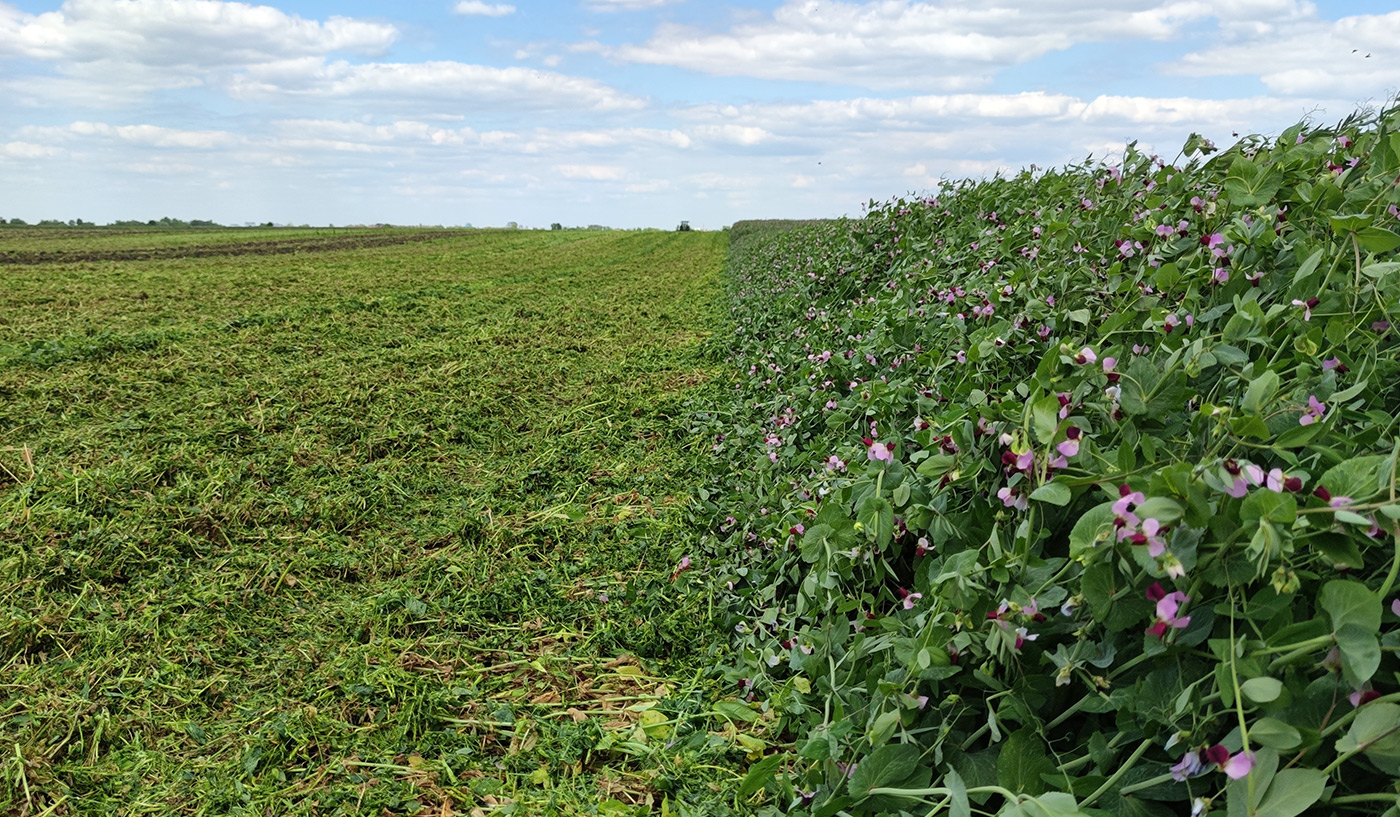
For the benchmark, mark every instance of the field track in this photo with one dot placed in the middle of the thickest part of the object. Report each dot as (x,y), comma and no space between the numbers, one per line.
(307,244)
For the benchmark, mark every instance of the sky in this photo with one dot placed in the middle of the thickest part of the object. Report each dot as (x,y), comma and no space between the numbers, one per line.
(632,113)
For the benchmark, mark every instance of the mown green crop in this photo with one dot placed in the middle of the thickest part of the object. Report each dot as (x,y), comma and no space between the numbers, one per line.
(372,528)
(1075,492)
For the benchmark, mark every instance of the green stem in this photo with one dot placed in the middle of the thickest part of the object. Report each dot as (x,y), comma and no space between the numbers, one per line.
(1364,798)
(1122,770)
(1147,784)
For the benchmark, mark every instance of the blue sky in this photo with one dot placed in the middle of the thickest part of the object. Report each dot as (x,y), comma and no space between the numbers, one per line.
(631,113)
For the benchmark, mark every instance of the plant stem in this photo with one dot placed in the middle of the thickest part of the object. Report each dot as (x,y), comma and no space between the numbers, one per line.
(1122,770)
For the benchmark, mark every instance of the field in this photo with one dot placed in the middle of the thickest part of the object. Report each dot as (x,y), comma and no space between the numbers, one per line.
(352,523)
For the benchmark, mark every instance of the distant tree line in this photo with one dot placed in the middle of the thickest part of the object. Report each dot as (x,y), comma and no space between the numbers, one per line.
(166,222)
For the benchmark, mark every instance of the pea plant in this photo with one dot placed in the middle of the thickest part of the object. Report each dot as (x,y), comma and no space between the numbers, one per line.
(1074,491)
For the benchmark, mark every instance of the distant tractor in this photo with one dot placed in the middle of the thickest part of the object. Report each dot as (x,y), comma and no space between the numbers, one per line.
(684,228)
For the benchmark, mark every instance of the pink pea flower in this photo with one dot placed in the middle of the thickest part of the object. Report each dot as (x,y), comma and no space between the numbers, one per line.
(1364,695)
(835,463)
(1221,275)
(1109,363)
(1307,307)
(1395,607)
(1238,488)
(1012,498)
(1170,322)
(1234,766)
(910,599)
(1070,447)
(1212,241)
(1314,411)
(1331,363)
(1022,636)
(1168,605)
(1127,499)
(883,452)
(1086,355)
(1150,535)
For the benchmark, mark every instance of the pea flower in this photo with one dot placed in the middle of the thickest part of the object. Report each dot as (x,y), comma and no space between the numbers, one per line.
(1086,355)
(1234,766)
(1109,363)
(1070,447)
(1012,498)
(1314,411)
(1168,605)
(1307,307)
(878,451)
(1170,322)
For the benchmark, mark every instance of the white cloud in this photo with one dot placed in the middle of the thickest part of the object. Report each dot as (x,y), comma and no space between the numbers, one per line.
(142,135)
(181,33)
(1353,58)
(27,150)
(953,45)
(431,83)
(483,9)
(596,173)
(626,5)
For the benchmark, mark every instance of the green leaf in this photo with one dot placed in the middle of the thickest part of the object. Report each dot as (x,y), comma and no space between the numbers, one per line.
(1045,418)
(1093,529)
(877,515)
(1275,734)
(1023,759)
(1308,266)
(813,542)
(735,711)
(1361,653)
(1358,478)
(1161,508)
(1249,185)
(1376,731)
(1350,223)
(1269,505)
(1055,493)
(936,466)
(1377,239)
(958,805)
(1351,518)
(1261,390)
(1292,792)
(1262,690)
(885,766)
(760,774)
(1349,602)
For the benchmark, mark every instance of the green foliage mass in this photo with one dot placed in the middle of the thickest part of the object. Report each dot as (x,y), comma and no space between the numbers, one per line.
(1041,487)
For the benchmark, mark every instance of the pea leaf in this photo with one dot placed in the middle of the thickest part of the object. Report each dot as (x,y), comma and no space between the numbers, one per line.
(886,766)
(1349,602)
(1055,493)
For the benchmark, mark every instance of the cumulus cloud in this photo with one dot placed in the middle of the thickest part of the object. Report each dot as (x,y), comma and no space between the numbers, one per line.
(27,150)
(596,173)
(171,33)
(435,82)
(953,45)
(1353,57)
(476,7)
(626,5)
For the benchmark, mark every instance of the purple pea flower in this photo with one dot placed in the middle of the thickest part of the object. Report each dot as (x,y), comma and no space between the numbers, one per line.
(1314,411)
